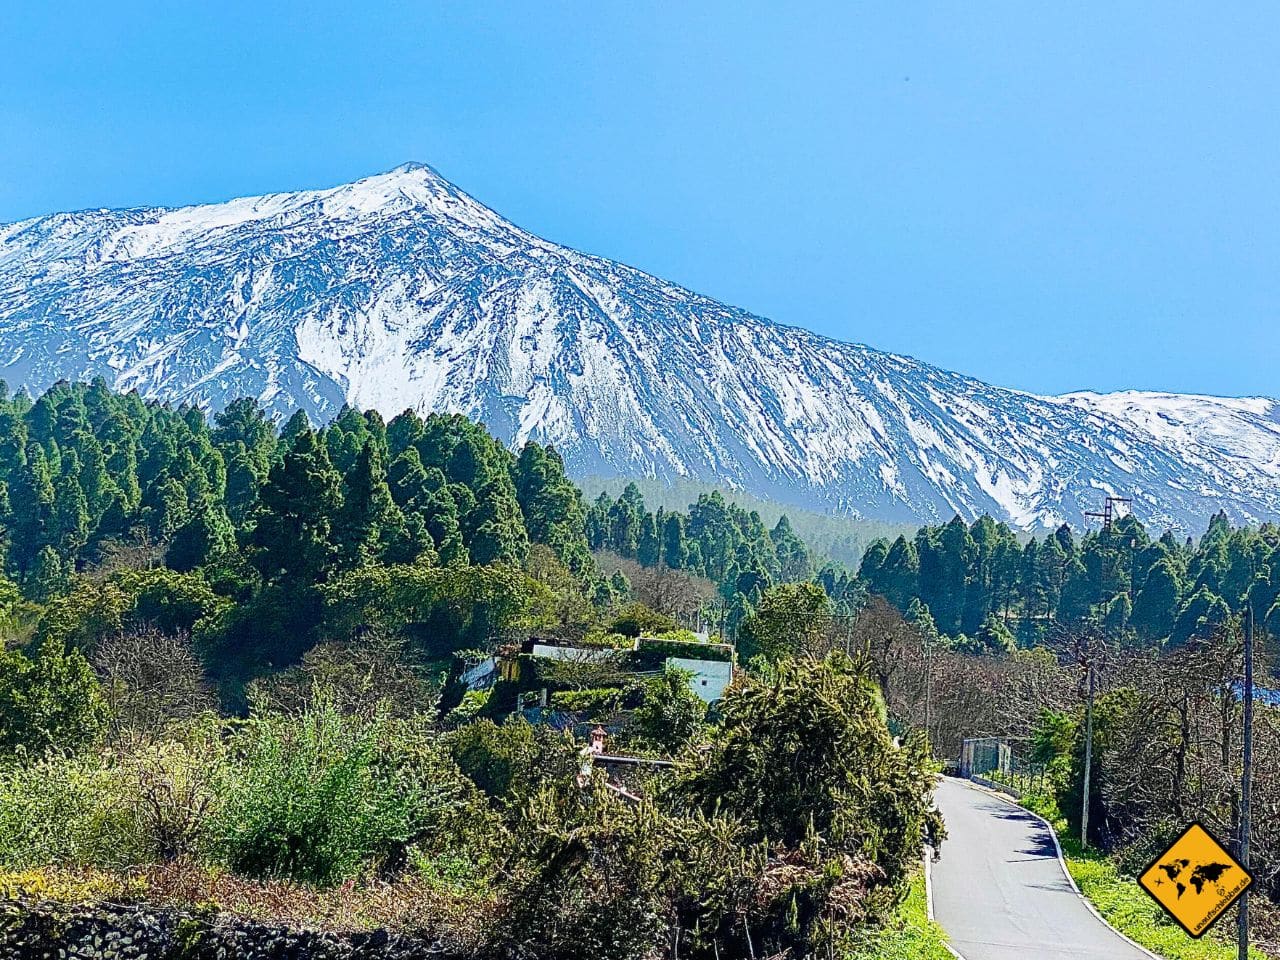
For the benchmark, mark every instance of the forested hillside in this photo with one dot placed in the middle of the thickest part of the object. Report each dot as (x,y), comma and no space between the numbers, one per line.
(252,540)
(987,590)
(231,652)
(257,542)
(221,689)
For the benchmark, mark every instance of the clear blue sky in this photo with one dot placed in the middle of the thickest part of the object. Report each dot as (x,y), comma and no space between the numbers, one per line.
(1048,196)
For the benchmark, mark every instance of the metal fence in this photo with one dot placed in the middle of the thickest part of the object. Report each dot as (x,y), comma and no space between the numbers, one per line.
(982,756)
(1004,762)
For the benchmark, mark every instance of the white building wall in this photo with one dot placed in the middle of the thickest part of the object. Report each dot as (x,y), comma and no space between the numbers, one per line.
(710,677)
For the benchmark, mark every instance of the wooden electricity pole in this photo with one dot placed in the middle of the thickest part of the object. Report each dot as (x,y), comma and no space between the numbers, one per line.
(1107,516)
(928,693)
(1246,776)
(1088,650)
(1088,758)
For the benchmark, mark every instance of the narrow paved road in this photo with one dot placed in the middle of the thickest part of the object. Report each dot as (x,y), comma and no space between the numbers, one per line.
(999,891)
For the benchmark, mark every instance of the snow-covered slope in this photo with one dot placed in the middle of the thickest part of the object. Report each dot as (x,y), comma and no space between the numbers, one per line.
(401,291)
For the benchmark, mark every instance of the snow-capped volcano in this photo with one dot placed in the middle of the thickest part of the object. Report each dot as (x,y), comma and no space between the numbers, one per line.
(400,291)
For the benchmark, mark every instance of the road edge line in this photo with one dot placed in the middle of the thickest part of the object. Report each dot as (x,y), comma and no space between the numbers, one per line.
(1062,864)
(928,901)
(928,881)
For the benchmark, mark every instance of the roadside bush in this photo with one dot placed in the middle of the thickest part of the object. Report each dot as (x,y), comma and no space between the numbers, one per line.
(1051,743)
(587,883)
(808,752)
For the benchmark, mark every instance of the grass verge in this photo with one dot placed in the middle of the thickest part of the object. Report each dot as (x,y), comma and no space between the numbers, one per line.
(910,936)
(1124,905)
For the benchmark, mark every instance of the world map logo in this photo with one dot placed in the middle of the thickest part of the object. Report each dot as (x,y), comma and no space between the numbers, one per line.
(1201,875)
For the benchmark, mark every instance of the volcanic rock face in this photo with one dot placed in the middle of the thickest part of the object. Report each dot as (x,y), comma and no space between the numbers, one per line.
(400,291)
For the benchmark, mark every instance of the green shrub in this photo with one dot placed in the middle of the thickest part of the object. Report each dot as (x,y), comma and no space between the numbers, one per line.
(508,762)
(670,713)
(111,809)
(169,789)
(679,636)
(636,618)
(473,703)
(50,698)
(808,751)
(586,881)
(318,796)
(596,702)
(612,641)
(653,651)
(70,811)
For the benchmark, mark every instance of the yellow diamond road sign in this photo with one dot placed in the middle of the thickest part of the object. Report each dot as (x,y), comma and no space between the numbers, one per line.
(1195,880)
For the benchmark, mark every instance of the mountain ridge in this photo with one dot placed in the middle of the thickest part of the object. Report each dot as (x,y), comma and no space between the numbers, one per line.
(400,291)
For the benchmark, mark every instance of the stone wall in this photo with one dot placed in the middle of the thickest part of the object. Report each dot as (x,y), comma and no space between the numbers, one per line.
(41,931)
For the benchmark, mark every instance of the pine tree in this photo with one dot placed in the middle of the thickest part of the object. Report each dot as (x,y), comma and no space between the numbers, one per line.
(296,427)
(205,537)
(992,637)
(291,538)
(1200,618)
(625,518)
(675,553)
(48,576)
(70,526)
(31,498)
(552,506)
(648,546)
(369,520)
(791,619)
(1156,606)
(792,554)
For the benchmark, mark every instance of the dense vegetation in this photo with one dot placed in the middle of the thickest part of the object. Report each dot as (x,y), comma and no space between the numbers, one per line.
(984,588)
(231,658)
(229,669)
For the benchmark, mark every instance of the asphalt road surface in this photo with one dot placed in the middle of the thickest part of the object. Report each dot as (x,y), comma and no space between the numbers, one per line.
(999,891)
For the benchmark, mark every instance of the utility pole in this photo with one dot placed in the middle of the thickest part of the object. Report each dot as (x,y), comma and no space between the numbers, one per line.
(1108,517)
(1108,514)
(1088,650)
(928,692)
(1088,756)
(1246,777)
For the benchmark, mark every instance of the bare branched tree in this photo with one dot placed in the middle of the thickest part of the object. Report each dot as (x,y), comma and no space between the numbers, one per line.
(375,670)
(150,679)
(173,790)
(137,550)
(677,593)
(892,645)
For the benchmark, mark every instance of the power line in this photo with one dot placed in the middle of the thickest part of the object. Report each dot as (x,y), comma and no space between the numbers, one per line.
(1108,512)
